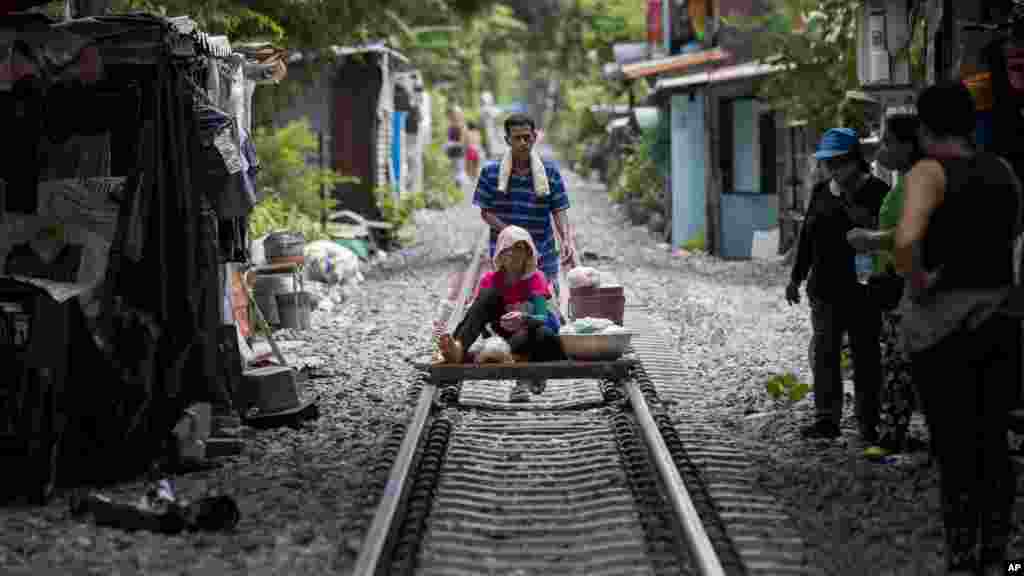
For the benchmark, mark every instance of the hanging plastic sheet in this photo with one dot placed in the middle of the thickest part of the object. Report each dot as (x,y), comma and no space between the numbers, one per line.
(85,202)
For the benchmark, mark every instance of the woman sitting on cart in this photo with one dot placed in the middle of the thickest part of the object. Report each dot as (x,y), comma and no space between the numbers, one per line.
(514,300)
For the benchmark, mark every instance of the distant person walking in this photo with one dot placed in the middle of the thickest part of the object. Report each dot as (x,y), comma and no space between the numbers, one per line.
(840,304)
(456,145)
(474,144)
(954,243)
(489,114)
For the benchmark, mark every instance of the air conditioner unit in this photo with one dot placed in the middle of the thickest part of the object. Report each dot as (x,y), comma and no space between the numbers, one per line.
(884,32)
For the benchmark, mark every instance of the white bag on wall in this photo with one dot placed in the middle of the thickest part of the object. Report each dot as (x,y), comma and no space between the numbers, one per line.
(765,244)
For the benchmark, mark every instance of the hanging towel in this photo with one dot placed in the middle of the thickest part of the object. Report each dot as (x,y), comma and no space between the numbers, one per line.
(540,176)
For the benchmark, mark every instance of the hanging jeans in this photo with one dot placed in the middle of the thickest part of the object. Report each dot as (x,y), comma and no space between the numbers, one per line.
(858,316)
(967,383)
(541,344)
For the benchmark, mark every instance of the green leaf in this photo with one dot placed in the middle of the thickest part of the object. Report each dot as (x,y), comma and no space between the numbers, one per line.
(774,388)
(789,381)
(798,392)
(609,24)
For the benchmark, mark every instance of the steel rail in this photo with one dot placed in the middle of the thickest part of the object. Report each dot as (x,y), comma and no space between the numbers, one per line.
(373,553)
(375,546)
(703,554)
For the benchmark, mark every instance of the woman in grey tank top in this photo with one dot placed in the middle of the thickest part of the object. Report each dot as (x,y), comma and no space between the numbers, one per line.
(954,244)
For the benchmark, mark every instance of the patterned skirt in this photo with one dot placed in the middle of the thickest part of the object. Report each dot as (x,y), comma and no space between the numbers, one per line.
(898,397)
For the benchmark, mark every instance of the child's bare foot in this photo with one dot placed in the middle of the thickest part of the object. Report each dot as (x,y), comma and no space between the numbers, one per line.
(451,349)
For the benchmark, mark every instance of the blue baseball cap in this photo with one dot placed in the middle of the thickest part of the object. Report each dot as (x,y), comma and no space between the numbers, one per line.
(836,142)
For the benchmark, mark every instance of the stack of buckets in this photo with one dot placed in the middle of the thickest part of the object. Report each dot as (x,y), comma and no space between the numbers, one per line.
(282,302)
(278,295)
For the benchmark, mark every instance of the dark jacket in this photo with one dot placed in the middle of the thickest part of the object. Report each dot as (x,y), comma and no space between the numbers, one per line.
(823,250)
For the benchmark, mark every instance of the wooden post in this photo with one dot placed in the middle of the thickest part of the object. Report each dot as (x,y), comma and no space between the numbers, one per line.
(712,190)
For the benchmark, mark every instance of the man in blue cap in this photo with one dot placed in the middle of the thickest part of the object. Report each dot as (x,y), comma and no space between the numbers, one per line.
(850,198)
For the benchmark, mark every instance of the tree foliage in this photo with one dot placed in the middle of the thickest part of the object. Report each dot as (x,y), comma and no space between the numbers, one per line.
(465,63)
(815,41)
(309,24)
(588,30)
(290,184)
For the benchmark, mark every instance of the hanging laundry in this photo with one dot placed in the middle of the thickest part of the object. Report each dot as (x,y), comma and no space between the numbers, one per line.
(224,168)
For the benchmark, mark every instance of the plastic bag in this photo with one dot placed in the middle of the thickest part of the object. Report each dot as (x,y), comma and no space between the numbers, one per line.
(587,326)
(330,263)
(494,348)
(257,255)
(582,276)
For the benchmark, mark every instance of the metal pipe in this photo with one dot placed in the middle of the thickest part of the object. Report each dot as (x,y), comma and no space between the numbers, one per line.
(703,553)
(374,545)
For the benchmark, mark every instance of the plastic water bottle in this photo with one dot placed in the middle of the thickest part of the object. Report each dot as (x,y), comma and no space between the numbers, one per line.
(864,266)
(444,312)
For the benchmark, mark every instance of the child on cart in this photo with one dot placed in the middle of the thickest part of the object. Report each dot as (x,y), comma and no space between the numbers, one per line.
(514,300)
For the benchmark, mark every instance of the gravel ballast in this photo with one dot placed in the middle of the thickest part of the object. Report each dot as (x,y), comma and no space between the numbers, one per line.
(307,495)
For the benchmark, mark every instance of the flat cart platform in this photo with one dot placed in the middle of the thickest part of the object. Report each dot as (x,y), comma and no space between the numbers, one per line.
(562,370)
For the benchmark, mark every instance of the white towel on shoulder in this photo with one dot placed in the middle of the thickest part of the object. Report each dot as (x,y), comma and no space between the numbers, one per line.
(540,176)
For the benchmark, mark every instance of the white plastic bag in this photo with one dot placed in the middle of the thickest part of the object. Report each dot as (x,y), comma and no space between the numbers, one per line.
(330,263)
(583,276)
(257,255)
(765,245)
(587,326)
(494,348)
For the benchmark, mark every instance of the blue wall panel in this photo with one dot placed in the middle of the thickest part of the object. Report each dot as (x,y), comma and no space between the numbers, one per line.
(689,196)
(742,214)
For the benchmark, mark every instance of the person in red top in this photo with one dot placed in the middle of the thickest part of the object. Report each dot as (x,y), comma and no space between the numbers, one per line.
(513,299)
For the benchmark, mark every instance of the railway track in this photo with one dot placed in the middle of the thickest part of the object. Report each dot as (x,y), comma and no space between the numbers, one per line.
(589,478)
